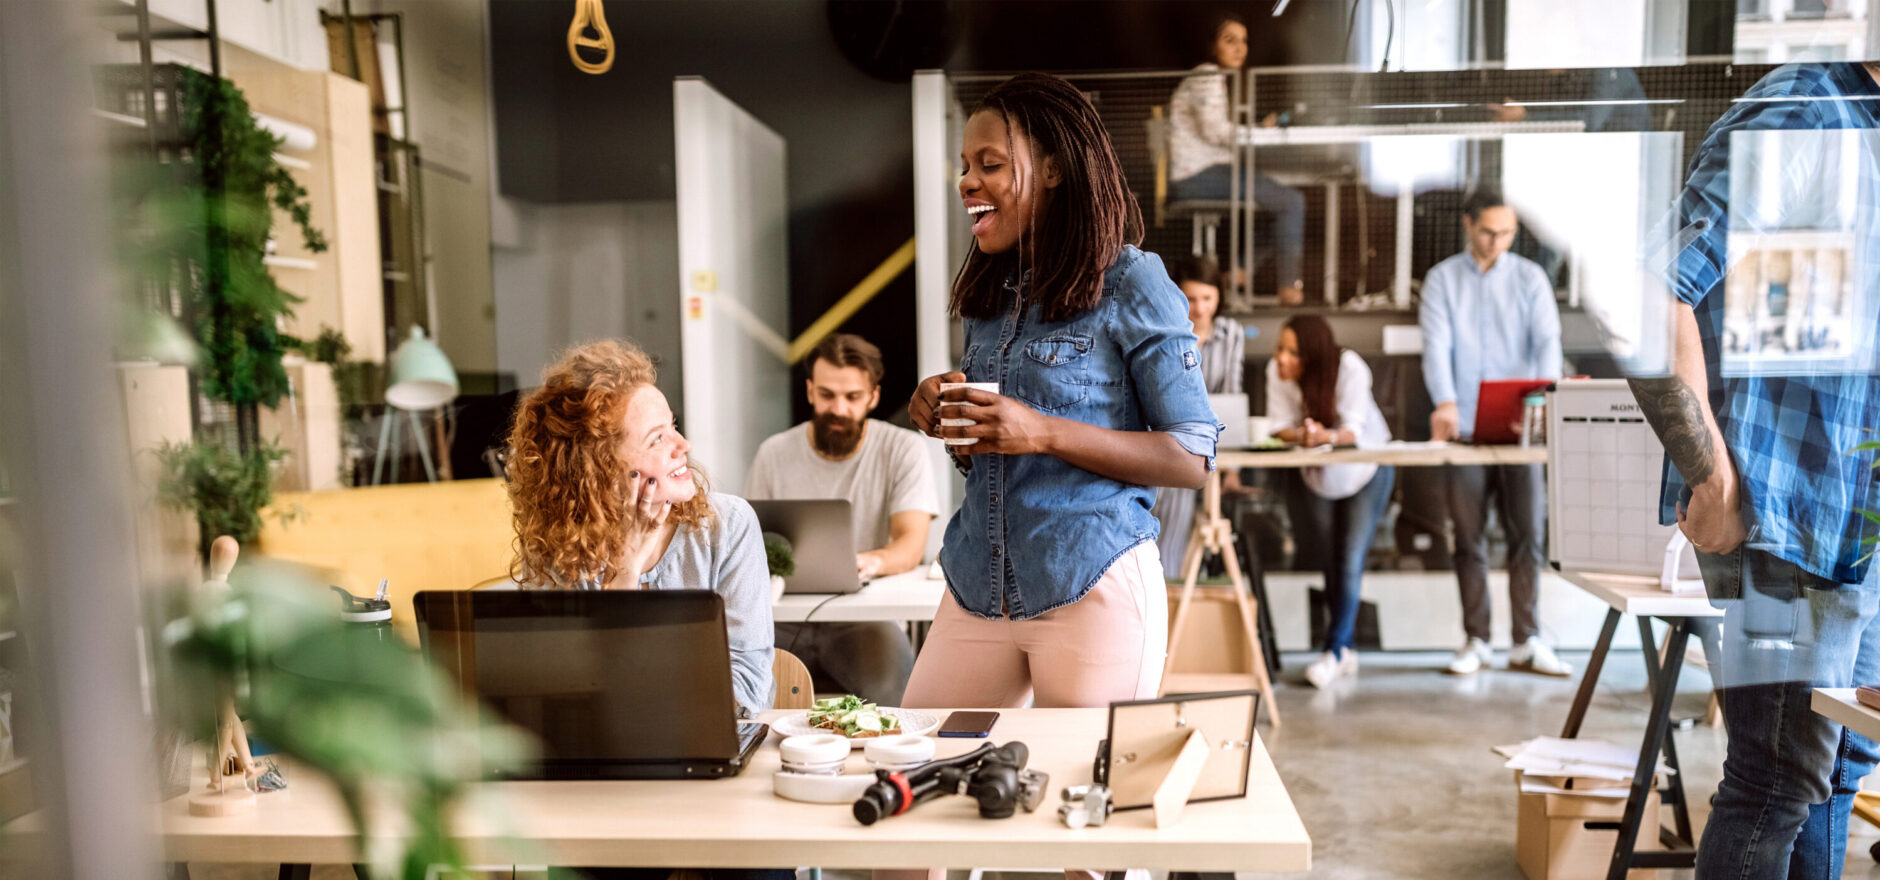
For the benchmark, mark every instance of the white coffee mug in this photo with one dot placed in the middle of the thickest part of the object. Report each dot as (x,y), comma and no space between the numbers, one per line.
(1259,428)
(988,387)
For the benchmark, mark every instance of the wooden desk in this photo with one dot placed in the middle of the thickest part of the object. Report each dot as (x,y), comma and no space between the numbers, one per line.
(739,823)
(906,597)
(1684,613)
(1840,706)
(1396,454)
(1212,533)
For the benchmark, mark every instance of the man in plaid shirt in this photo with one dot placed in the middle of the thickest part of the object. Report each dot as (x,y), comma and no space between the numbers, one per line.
(1764,480)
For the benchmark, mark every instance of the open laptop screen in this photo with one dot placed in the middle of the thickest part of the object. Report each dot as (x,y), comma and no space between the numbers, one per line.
(600,677)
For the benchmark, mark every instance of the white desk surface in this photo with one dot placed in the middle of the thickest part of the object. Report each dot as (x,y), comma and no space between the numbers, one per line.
(909,595)
(738,822)
(1262,136)
(1401,454)
(1640,595)
(1840,705)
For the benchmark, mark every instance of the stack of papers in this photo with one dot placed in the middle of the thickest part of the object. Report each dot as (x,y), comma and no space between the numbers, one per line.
(1588,767)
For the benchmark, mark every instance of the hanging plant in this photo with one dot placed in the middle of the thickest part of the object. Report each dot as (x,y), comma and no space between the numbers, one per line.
(235,305)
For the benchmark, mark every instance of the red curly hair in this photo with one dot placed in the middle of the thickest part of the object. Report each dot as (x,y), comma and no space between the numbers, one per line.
(567,481)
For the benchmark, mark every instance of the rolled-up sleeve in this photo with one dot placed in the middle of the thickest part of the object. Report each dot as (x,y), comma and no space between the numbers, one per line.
(1164,358)
(743,579)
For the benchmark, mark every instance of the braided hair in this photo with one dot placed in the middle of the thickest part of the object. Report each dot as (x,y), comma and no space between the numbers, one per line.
(1070,242)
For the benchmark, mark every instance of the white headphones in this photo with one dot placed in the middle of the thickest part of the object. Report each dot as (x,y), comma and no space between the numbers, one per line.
(812,765)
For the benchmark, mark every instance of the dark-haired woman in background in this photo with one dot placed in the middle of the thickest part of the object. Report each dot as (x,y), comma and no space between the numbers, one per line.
(1054,587)
(1223,347)
(1323,393)
(1201,154)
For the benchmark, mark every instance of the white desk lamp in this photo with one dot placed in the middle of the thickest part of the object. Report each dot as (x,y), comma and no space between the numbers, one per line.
(421,379)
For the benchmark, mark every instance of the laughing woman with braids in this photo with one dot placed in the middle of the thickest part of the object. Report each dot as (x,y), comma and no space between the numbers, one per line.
(1055,588)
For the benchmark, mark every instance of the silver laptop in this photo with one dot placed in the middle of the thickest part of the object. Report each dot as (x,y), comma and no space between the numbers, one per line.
(1231,409)
(822,532)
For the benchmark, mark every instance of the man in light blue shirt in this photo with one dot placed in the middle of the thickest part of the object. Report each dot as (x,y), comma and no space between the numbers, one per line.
(1490,314)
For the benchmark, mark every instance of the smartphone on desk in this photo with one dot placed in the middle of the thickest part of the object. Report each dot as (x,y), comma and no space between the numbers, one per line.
(969,724)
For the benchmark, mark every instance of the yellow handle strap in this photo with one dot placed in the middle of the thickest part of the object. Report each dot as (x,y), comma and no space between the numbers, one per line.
(588,13)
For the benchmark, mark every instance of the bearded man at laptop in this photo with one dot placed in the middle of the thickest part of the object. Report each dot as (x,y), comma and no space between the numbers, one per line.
(885,475)
(1488,314)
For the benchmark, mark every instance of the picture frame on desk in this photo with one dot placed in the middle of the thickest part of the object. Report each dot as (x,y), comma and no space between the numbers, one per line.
(1147,741)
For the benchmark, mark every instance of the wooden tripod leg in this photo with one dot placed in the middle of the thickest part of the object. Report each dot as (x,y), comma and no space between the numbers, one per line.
(1191,569)
(1248,622)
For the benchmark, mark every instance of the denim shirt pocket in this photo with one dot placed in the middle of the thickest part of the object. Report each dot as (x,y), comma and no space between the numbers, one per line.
(1053,375)
(969,364)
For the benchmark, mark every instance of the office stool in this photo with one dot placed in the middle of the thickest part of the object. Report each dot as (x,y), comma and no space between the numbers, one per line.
(1204,218)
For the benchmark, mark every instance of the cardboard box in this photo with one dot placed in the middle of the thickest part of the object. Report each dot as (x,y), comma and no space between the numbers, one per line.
(1552,841)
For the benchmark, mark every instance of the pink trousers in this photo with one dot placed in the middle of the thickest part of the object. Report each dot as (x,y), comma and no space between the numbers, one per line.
(1107,646)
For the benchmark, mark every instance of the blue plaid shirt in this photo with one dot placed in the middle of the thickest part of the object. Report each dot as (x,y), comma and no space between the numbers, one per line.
(1790,436)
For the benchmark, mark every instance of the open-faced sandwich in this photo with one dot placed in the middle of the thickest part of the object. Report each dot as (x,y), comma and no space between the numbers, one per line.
(853,718)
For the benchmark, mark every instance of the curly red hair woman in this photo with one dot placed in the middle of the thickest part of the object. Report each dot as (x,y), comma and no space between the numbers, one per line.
(604,497)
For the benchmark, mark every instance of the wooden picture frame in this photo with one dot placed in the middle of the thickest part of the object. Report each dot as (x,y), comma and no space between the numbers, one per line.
(1171,751)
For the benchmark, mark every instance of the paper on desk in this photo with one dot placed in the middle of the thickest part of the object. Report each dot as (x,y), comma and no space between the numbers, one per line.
(1553,756)
(1531,785)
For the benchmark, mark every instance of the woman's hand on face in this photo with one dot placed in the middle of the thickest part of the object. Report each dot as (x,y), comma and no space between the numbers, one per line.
(1000,424)
(923,407)
(649,510)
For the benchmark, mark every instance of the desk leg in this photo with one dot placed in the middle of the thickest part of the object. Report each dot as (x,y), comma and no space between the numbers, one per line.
(1657,733)
(1656,681)
(1590,678)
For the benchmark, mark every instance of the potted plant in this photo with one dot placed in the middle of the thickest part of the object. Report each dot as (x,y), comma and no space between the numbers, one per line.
(227,490)
(780,556)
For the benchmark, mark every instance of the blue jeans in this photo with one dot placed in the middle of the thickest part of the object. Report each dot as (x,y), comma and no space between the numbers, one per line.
(1287,206)
(1789,775)
(1342,529)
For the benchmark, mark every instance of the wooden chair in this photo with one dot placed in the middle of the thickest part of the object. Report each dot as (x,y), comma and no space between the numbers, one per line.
(794,689)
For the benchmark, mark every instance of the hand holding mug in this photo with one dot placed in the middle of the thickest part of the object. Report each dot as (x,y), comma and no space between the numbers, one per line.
(923,407)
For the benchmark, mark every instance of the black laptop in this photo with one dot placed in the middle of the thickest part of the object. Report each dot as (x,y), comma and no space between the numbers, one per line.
(616,684)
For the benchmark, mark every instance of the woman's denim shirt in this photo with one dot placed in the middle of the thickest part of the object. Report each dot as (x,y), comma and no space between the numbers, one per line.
(1035,532)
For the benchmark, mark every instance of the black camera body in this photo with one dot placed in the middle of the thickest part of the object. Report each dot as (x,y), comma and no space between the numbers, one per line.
(995,778)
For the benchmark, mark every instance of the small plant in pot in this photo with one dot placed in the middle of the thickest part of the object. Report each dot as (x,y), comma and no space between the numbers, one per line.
(780,556)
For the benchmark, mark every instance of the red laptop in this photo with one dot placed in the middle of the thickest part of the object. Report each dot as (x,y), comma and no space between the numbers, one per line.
(1498,409)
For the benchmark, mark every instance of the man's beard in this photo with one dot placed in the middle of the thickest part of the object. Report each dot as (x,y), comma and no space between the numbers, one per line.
(836,436)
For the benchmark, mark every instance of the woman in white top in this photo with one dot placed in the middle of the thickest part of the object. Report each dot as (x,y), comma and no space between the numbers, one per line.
(1201,154)
(1323,395)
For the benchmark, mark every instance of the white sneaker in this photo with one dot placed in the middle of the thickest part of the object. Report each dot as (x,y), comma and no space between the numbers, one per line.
(1534,656)
(1470,658)
(1330,667)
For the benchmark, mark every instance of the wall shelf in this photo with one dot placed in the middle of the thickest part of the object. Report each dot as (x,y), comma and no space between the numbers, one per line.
(119,118)
(289,263)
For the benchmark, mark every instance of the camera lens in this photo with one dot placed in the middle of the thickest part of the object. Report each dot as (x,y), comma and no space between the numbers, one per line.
(867,811)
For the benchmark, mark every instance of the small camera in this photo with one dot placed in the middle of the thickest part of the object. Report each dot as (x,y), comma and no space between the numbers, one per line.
(996,778)
(1085,805)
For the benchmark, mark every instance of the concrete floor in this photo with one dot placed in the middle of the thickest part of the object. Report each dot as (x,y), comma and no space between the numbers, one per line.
(1392,771)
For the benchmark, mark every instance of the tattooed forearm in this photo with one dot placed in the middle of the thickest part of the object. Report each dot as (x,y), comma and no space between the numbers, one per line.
(1677,416)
